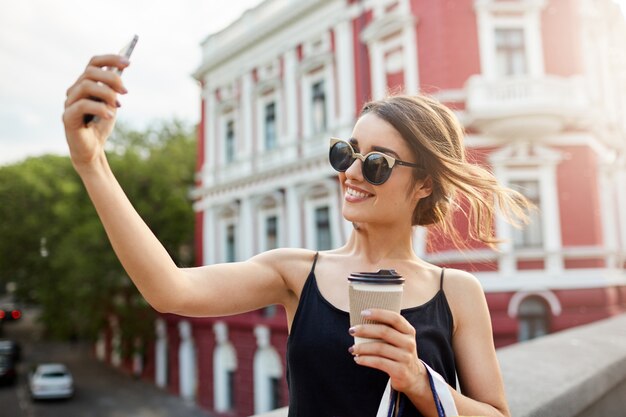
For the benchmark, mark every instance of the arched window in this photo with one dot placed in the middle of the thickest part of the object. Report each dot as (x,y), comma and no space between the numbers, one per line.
(533,319)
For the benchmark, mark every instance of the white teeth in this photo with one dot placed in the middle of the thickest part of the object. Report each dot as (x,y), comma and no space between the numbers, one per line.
(355,193)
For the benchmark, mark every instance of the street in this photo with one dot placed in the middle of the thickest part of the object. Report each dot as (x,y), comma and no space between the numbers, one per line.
(100,390)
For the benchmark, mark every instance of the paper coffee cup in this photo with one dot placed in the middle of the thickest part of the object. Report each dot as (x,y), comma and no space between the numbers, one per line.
(382,289)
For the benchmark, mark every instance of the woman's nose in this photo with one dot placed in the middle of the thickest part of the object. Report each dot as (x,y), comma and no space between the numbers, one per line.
(355,170)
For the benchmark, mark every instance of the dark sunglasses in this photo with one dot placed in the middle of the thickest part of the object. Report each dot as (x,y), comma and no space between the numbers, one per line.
(376,166)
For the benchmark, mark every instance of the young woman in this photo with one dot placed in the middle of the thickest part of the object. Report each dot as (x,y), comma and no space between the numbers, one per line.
(403,166)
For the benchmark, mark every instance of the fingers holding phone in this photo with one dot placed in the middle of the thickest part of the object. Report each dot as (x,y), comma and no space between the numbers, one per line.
(91,104)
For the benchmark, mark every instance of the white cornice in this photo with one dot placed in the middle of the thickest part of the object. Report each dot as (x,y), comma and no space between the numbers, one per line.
(387,25)
(254,27)
(509,6)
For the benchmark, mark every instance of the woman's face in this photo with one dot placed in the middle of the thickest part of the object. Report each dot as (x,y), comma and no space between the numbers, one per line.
(389,202)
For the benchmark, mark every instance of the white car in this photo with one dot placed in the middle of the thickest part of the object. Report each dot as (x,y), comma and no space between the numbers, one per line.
(51,380)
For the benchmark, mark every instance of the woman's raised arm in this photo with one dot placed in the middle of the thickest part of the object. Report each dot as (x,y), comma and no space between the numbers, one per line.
(212,290)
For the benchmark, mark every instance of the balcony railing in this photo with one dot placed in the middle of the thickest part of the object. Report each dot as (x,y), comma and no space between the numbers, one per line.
(524,105)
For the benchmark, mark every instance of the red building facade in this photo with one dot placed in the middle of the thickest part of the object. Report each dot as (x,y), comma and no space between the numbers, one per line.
(539,86)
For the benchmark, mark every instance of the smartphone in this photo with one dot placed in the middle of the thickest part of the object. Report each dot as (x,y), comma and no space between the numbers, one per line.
(126,52)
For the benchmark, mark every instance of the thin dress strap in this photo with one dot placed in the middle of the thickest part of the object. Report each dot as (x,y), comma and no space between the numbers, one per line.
(441,279)
(314,262)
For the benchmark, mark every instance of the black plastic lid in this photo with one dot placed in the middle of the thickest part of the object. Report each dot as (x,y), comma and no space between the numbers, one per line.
(383,276)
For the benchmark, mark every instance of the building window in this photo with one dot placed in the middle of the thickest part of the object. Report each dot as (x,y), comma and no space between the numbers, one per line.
(318,95)
(270,125)
(275,393)
(230,141)
(510,52)
(271,232)
(531,235)
(322,228)
(230,243)
(230,377)
(533,319)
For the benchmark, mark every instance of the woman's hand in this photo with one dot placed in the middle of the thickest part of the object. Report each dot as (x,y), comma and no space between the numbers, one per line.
(395,355)
(95,92)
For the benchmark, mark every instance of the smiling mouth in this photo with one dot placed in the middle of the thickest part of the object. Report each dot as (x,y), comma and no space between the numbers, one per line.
(350,192)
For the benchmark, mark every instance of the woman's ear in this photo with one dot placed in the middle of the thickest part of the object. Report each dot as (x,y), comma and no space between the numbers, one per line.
(423,188)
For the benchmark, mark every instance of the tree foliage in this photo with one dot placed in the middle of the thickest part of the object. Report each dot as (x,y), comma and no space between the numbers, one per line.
(54,247)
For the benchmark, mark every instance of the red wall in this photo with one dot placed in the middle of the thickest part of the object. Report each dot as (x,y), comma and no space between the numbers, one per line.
(560,26)
(448,43)
(577,182)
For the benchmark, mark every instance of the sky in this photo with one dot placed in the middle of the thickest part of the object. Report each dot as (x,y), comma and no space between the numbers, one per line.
(45,45)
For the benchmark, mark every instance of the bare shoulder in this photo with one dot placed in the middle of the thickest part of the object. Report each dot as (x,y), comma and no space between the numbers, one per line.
(464,293)
(293,264)
(457,281)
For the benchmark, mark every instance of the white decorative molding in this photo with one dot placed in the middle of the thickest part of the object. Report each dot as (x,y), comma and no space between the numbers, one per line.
(548,296)
(524,14)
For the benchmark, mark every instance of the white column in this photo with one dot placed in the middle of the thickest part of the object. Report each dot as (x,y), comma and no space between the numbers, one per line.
(291,98)
(160,348)
(331,94)
(187,362)
(535,43)
(210,153)
(379,76)
(247,120)
(621,202)
(552,221)
(293,220)
(486,45)
(209,237)
(344,57)
(245,230)
(335,215)
(606,189)
(411,68)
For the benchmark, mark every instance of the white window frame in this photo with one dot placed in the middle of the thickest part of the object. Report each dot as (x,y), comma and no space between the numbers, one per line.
(317,65)
(225,118)
(489,18)
(224,224)
(310,205)
(376,35)
(263,215)
(518,162)
(308,80)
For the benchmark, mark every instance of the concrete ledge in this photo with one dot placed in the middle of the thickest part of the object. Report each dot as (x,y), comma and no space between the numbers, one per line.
(573,373)
(580,372)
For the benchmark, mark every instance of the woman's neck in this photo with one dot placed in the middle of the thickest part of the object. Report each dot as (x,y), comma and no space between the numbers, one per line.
(375,243)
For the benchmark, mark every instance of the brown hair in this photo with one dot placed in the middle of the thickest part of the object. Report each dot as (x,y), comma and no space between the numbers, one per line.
(435,136)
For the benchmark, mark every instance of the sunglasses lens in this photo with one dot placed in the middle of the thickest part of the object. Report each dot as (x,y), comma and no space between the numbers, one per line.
(341,156)
(376,169)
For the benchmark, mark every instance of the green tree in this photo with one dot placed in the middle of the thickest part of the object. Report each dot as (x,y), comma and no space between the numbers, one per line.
(54,246)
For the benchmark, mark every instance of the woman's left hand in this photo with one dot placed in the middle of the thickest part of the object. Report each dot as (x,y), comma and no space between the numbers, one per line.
(395,354)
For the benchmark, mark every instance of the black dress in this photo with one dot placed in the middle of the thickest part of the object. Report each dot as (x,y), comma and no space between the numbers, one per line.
(324,380)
